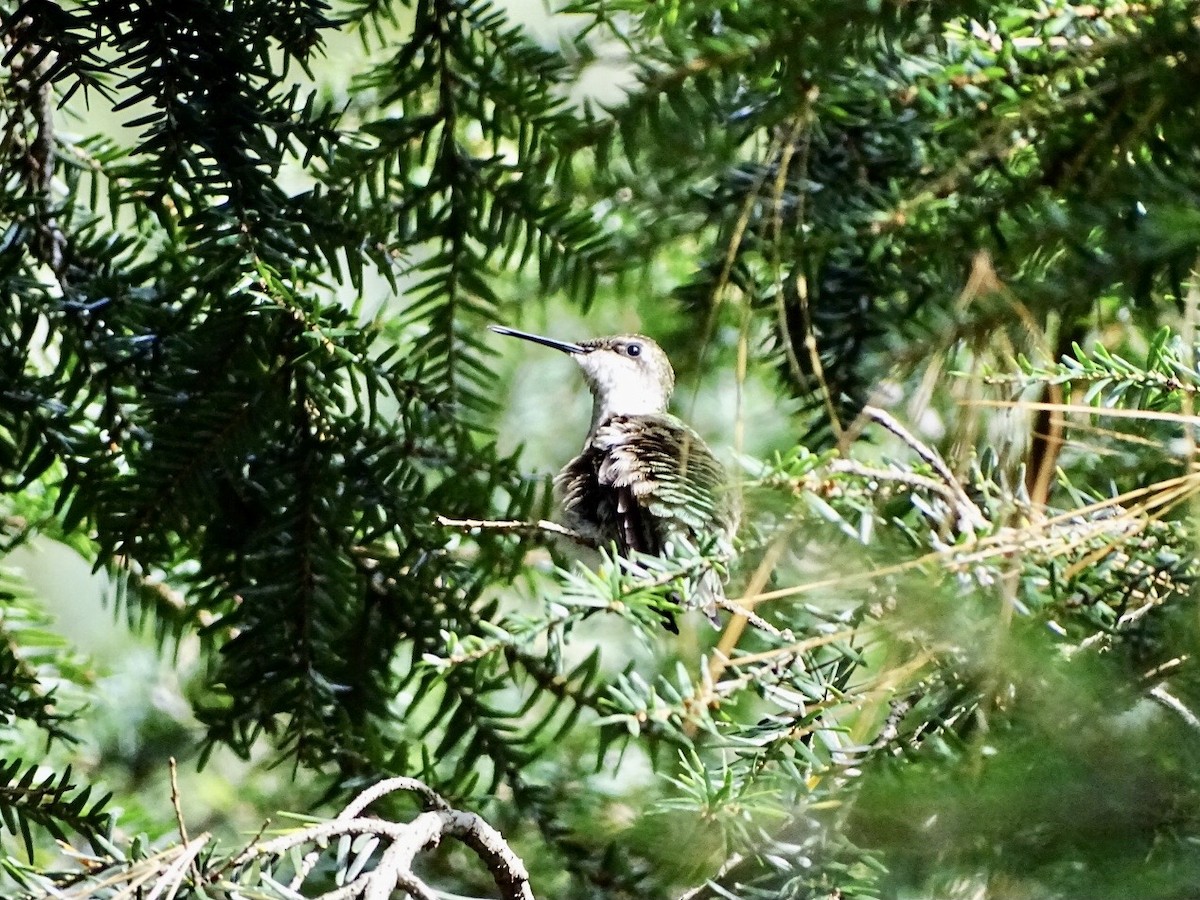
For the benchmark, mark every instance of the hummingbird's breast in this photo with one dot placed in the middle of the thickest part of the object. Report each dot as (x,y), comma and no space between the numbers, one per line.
(642,479)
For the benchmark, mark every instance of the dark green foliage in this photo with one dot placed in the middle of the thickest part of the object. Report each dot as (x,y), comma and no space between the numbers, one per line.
(853,151)
(53,802)
(213,414)
(204,393)
(31,658)
(36,666)
(209,405)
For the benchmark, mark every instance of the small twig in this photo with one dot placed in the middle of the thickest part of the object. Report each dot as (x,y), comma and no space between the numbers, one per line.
(785,338)
(752,617)
(322,832)
(175,804)
(700,890)
(348,891)
(229,863)
(898,476)
(515,526)
(890,730)
(393,872)
(732,249)
(1058,535)
(172,877)
(710,673)
(508,871)
(178,807)
(395,864)
(793,649)
(931,456)
(413,886)
(970,516)
(1164,697)
(431,798)
(1170,664)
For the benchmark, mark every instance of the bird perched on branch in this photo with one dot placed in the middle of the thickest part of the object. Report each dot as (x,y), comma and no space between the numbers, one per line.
(644,479)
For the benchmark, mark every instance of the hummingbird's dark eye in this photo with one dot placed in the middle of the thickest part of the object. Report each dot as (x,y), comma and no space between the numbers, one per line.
(634,349)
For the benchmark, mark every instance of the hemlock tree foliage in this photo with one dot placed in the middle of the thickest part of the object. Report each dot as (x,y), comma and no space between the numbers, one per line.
(949,253)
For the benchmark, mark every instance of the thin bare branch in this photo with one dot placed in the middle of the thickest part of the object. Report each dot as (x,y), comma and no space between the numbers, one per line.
(404,841)
(970,516)
(178,807)
(1168,700)
(544,526)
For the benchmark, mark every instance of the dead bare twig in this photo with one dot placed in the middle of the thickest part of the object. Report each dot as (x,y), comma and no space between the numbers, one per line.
(970,516)
(516,526)
(372,869)
(403,842)
(178,807)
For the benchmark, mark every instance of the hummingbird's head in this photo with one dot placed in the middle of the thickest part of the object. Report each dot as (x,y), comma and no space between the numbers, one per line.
(628,374)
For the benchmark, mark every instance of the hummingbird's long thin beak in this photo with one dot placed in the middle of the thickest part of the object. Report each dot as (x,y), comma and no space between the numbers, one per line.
(564,346)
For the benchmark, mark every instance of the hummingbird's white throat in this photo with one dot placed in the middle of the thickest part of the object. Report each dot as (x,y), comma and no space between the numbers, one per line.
(622,386)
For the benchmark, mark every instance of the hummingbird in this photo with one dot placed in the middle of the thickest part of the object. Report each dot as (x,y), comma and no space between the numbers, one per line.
(644,479)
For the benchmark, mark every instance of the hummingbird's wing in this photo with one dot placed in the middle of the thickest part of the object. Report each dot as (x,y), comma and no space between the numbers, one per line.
(649,484)
(642,480)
